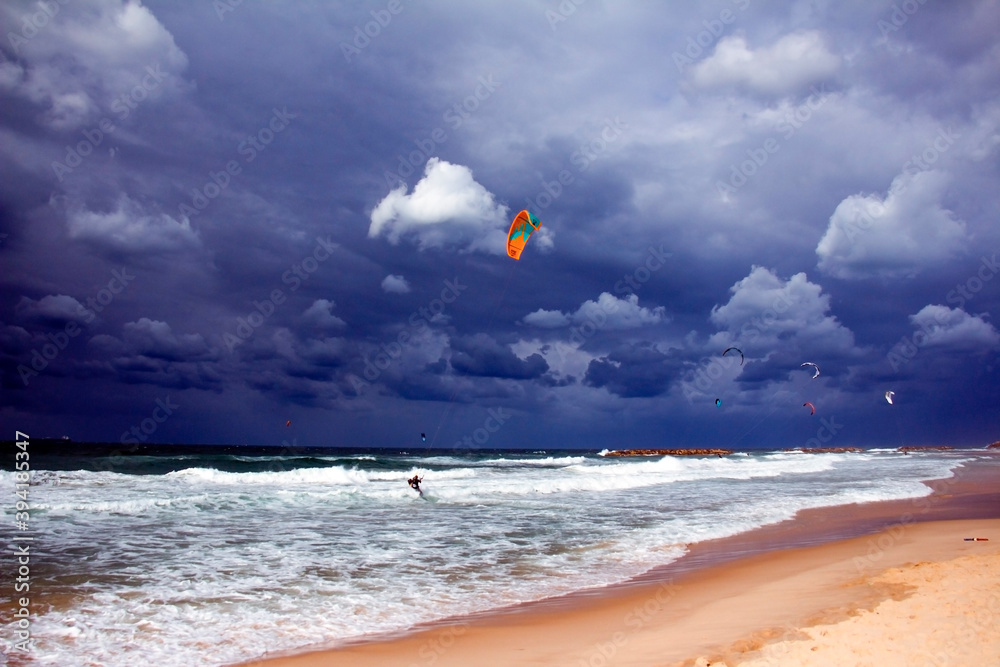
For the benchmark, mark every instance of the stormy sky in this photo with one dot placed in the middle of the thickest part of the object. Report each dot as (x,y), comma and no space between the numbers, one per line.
(218,217)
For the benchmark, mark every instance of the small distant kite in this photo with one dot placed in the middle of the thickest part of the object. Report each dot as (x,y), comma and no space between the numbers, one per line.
(815,368)
(288,423)
(888,396)
(738,350)
(811,407)
(718,402)
(521,228)
(423,437)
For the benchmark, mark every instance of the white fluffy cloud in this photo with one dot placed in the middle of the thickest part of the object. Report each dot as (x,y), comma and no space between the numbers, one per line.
(547,319)
(395,285)
(608,312)
(787,66)
(954,328)
(447,209)
(895,236)
(130,228)
(765,313)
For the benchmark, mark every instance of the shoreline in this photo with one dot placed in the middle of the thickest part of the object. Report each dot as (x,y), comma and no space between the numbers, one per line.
(819,564)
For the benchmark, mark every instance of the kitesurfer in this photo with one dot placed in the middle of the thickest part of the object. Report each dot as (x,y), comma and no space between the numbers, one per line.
(415,483)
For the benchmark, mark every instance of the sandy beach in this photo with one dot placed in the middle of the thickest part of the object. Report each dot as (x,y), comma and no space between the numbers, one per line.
(834,586)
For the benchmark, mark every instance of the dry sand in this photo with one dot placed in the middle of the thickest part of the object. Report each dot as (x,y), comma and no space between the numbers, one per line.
(940,613)
(904,589)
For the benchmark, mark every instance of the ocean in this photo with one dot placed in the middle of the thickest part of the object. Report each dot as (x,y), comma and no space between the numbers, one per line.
(203,556)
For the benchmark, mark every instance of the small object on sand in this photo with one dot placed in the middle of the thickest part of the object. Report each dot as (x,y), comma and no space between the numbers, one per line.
(977,539)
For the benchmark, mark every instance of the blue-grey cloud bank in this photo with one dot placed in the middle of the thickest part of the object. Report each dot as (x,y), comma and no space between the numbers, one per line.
(287,223)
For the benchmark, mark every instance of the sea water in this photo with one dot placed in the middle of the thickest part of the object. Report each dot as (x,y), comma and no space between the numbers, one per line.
(209,559)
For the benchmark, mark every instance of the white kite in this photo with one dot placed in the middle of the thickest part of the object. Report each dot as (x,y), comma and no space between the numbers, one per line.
(815,368)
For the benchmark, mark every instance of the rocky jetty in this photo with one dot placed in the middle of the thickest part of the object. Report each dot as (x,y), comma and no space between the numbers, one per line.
(924,448)
(825,450)
(670,452)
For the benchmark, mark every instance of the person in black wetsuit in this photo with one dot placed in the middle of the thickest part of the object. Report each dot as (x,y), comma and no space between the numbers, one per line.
(415,483)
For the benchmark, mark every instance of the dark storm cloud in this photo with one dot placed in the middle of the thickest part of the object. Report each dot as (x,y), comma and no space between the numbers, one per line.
(51,311)
(482,356)
(149,352)
(289,190)
(634,371)
(155,339)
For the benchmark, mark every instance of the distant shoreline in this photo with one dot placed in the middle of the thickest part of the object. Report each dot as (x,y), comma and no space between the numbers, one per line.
(69,447)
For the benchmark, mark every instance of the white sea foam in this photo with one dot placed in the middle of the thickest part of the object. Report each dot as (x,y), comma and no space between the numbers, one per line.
(547,462)
(331,475)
